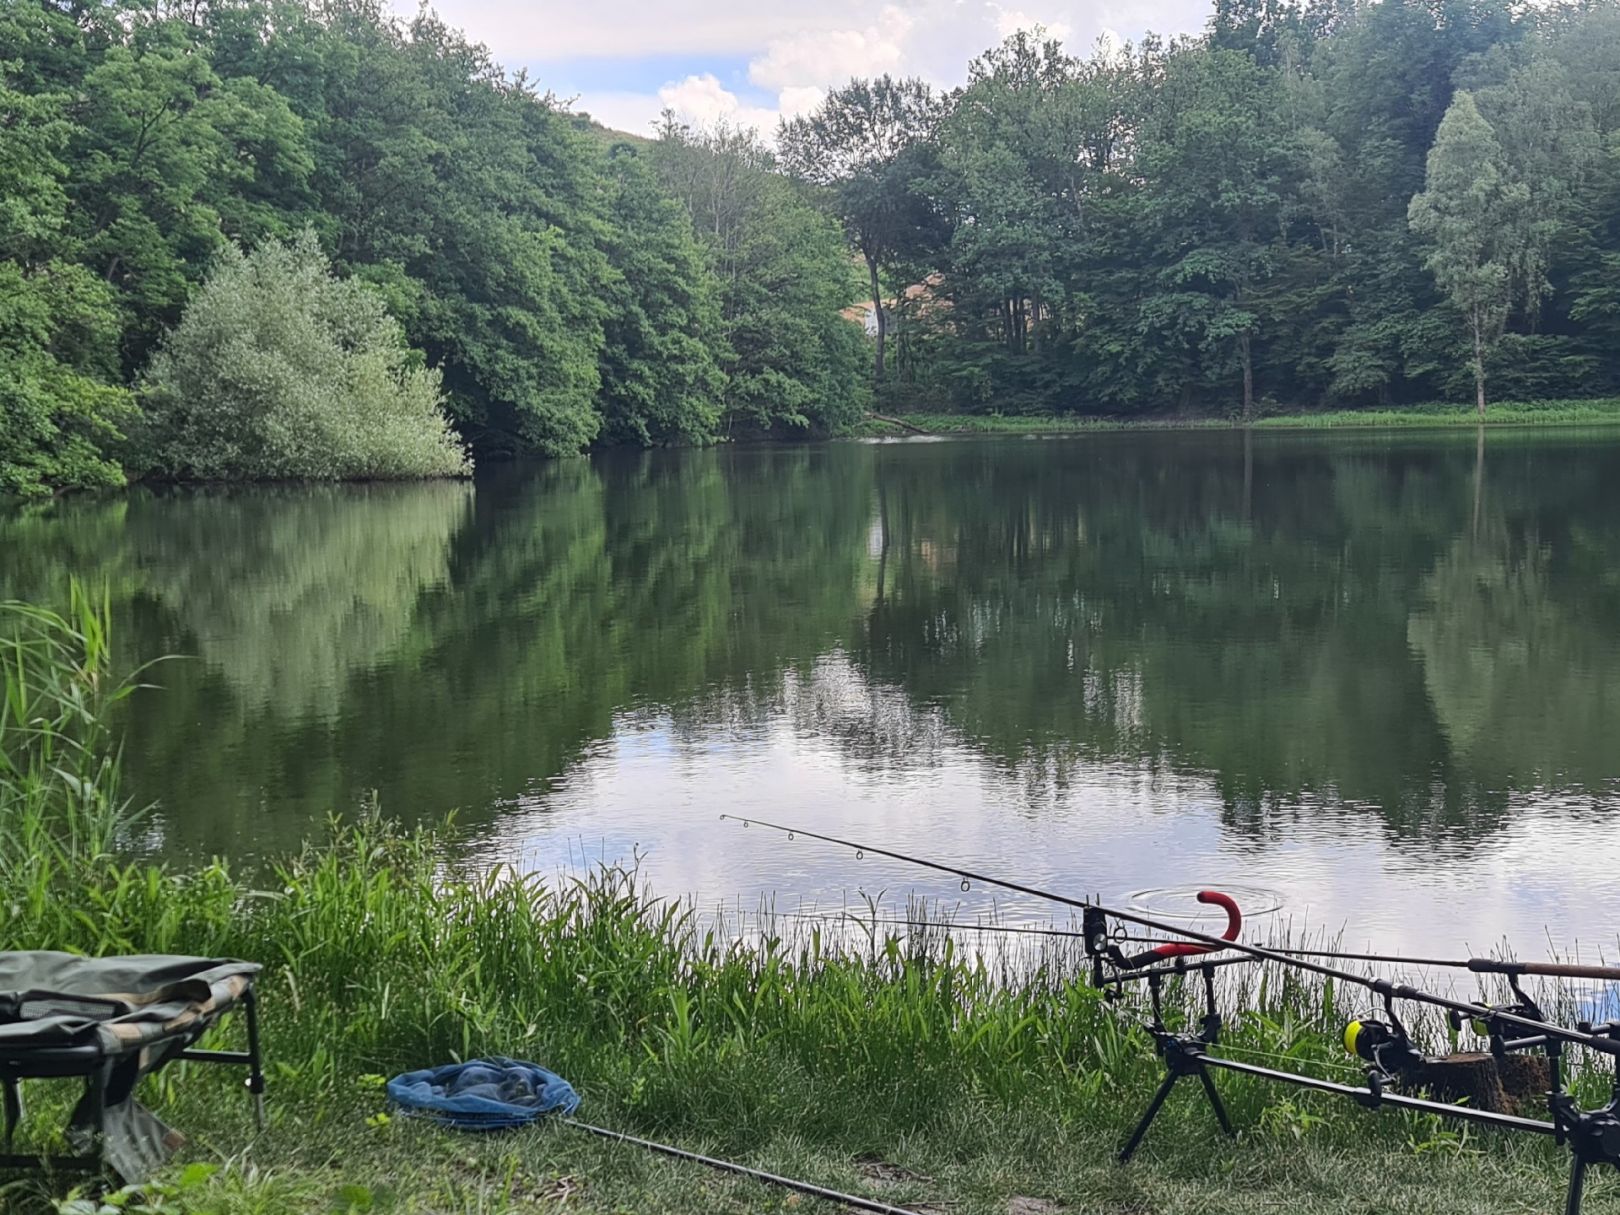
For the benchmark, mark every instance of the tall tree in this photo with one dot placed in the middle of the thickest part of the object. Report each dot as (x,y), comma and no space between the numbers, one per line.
(1219,167)
(661,376)
(60,402)
(1475,218)
(170,160)
(864,143)
(791,358)
(1018,153)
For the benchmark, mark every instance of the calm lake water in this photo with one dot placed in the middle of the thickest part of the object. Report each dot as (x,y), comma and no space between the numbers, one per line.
(1378,677)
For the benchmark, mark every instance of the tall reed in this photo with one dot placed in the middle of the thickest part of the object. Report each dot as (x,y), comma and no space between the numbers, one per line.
(59,760)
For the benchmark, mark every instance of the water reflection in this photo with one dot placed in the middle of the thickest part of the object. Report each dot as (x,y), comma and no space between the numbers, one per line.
(1345,664)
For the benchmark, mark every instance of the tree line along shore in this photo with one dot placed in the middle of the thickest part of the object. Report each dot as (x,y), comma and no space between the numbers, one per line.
(276,238)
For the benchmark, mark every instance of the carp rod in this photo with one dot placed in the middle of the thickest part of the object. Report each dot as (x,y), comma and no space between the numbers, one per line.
(1568,970)
(1596,1041)
(850,1201)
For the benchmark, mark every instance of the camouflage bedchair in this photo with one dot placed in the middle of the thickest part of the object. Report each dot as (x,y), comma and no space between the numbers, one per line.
(113,1021)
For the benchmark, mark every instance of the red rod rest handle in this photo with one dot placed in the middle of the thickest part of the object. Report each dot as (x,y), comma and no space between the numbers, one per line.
(1234,922)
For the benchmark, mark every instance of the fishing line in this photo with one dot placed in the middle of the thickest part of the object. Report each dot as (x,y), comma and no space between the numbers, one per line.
(1026,930)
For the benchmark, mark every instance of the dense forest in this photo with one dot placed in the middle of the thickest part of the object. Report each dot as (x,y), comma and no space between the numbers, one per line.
(276,238)
(558,286)
(1317,202)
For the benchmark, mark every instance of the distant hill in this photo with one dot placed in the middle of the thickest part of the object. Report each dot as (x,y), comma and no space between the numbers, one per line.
(589,125)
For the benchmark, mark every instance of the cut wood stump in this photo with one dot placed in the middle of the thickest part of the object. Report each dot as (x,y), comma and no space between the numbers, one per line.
(1526,1079)
(1507,1086)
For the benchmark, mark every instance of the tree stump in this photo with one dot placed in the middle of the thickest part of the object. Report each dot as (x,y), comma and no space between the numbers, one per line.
(1525,1080)
(1477,1078)
(1471,1077)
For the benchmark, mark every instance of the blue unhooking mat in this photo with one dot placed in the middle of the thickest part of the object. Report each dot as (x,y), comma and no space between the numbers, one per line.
(483,1095)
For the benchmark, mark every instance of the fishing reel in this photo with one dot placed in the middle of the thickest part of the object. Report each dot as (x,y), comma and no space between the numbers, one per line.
(1495,1030)
(1383,1044)
(1486,1026)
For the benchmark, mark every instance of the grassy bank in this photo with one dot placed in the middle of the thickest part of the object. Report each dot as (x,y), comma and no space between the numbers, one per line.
(902,1065)
(1605,411)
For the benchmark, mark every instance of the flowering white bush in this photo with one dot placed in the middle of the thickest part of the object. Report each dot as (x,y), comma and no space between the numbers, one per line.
(279,369)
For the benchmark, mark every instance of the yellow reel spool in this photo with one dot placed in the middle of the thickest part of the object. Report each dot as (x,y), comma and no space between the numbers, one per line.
(1352,1032)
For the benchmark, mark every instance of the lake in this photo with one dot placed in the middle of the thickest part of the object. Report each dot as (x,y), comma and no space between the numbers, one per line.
(1375,679)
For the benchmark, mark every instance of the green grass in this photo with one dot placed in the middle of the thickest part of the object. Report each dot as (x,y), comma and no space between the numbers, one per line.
(905,1066)
(968,1164)
(1507,413)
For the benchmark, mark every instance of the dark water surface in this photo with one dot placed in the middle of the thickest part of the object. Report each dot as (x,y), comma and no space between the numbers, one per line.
(1378,676)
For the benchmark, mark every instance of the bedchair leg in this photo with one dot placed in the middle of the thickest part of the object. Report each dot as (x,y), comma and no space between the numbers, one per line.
(95,1085)
(255,1080)
(13,1105)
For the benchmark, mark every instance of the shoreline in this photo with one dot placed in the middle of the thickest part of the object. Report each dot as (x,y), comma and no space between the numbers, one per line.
(1601,411)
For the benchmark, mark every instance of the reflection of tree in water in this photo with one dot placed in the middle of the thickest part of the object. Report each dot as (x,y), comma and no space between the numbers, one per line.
(277,591)
(878,730)
(464,651)
(43,547)
(1110,600)
(286,592)
(596,589)
(1299,620)
(1521,671)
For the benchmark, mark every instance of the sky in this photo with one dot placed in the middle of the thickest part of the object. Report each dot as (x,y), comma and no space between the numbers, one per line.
(753,61)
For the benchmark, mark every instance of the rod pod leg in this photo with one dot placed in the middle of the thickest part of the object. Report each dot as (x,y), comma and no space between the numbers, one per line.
(1216,1103)
(1137,1135)
(1577,1185)
(255,1057)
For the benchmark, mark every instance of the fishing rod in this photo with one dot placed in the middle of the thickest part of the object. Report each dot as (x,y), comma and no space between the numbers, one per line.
(742,1170)
(1567,970)
(1599,1042)
(1382,987)
(1391,1057)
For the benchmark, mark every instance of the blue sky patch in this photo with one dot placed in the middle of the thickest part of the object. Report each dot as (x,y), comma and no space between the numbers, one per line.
(642,74)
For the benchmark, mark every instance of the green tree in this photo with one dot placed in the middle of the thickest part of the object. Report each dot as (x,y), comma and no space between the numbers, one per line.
(477,209)
(58,416)
(1219,170)
(1151,227)
(169,160)
(278,369)
(661,360)
(796,361)
(60,401)
(866,143)
(1475,217)
(1014,167)
(792,359)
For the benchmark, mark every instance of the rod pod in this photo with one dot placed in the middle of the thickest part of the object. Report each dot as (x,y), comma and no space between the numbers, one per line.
(1593,1136)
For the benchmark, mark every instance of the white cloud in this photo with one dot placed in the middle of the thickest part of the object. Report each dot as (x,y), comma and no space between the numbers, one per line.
(633,113)
(538,31)
(703,100)
(1010,20)
(794,53)
(823,57)
(700,100)
(523,30)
